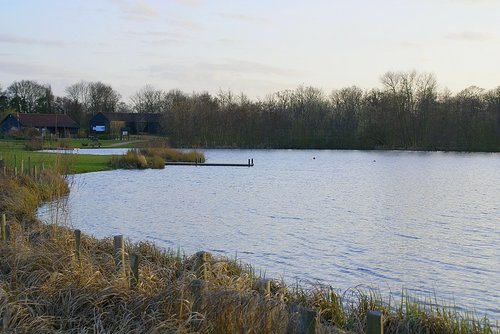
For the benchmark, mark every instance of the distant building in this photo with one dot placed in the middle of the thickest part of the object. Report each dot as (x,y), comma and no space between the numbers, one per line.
(131,123)
(59,124)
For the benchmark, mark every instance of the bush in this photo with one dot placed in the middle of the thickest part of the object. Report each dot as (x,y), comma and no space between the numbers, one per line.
(131,160)
(34,145)
(156,162)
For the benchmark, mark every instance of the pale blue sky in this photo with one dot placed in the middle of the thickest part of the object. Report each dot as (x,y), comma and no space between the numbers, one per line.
(256,47)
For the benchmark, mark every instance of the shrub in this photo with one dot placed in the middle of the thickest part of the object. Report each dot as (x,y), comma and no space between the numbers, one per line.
(131,160)
(156,162)
(34,145)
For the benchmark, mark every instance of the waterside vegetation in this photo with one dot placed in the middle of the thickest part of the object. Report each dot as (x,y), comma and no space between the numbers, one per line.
(155,154)
(144,153)
(47,285)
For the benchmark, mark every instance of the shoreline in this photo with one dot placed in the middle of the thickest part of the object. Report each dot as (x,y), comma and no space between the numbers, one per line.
(233,287)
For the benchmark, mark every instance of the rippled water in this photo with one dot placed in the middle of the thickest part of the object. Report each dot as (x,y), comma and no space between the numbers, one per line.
(428,222)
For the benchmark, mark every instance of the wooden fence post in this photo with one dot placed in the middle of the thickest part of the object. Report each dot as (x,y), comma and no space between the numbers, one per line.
(22,166)
(307,321)
(78,236)
(134,266)
(198,288)
(264,287)
(29,166)
(301,320)
(4,223)
(374,322)
(202,264)
(7,233)
(119,252)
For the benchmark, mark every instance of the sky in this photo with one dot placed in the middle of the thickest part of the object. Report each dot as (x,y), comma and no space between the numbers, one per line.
(255,47)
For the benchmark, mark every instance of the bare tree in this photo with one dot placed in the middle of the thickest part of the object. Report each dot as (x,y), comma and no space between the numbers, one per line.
(26,95)
(78,92)
(102,98)
(148,100)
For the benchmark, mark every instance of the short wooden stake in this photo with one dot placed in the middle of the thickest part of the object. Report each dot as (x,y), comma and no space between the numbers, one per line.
(198,288)
(4,223)
(29,166)
(35,174)
(307,321)
(202,264)
(43,165)
(119,252)
(374,322)
(15,171)
(78,239)
(7,233)
(302,320)
(264,286)
(22,166)
(134,267)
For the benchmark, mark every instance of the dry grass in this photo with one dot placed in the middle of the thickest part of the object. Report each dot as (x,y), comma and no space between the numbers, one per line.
(45,288)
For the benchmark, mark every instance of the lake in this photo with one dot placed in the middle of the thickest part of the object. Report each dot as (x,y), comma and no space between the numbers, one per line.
(426,222)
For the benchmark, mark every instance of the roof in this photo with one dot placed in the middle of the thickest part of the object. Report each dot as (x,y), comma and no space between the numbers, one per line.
(45,120)
(132,117)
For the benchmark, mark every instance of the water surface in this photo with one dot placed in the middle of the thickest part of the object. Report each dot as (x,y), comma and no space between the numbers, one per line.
(428,222)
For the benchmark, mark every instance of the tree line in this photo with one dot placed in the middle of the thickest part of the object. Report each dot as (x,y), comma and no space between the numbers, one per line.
(407,112)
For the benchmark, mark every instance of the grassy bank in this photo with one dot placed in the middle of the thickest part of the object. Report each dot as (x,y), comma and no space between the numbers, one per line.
(152,153)
(15,152)
(46,287)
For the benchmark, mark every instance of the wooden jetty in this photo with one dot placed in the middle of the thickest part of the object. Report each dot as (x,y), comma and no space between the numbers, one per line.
(249,164)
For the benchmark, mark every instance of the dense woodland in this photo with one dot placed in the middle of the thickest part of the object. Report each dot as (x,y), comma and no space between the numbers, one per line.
(408,112)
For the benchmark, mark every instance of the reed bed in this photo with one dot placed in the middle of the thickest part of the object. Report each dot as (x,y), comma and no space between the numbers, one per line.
(154,157)
(46,288)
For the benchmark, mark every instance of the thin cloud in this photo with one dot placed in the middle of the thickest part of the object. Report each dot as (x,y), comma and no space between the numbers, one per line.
(192,3)
(243,18)
(185,23)
(245,67)
(136,9)
(13,39)
(227,41)
(158,37)
(25,69)
(469,36)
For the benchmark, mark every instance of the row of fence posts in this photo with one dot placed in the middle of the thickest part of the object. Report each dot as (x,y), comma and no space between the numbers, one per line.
(31,169)
(303,320)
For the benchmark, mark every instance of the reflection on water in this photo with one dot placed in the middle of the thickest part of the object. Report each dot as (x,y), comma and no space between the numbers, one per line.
(428,222)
